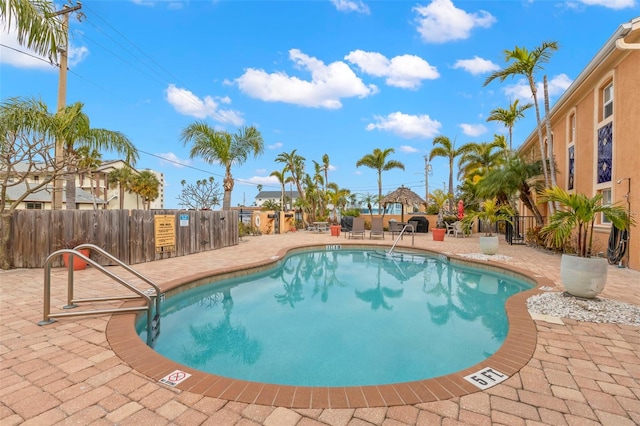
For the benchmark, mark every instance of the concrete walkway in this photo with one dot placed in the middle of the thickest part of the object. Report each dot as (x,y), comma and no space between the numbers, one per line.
(66,372)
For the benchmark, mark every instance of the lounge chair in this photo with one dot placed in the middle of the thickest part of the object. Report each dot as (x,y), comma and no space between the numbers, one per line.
(450,228)
(377,228)
(358,228)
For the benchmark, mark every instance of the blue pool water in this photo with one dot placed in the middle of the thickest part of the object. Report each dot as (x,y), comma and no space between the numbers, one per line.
(340,318)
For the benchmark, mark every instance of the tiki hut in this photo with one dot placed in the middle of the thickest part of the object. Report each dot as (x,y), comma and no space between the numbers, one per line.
(404,196)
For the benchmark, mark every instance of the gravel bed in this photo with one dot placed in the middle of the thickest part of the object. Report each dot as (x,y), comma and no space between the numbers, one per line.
(596,310)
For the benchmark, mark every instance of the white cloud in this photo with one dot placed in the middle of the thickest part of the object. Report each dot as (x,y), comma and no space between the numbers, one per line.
(406,126)
(328,84)
(441,21)
(405,71)
(260,180)
(275,145)
(521,90)
(186,103)
(473,129)
(611,4)
(408,149)
(476,65)
(169,158)
(351,6)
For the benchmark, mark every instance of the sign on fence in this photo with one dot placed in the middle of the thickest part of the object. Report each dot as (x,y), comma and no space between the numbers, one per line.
(165,232)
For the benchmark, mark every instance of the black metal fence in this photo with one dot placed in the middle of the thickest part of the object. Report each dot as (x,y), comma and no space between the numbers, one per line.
(516,232)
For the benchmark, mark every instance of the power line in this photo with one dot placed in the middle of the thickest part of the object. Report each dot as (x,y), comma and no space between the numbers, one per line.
(29,54)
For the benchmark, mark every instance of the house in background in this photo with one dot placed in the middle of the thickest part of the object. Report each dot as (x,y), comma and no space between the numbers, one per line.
(275,196)
(596,133)
(105,194)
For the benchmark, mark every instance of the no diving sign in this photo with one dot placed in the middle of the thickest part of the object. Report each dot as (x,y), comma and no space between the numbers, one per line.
(175,378)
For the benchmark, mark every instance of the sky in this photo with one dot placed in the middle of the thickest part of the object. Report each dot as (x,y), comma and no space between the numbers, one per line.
(335,77)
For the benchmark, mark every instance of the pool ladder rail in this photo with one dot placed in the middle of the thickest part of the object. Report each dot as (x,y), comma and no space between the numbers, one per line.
(404,228)
(153,321)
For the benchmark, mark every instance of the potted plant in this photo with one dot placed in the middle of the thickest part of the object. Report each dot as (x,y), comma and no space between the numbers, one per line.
(490,212)
(78,263)
(439,198)
(571,228)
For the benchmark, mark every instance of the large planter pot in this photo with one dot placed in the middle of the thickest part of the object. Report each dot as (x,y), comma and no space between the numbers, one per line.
(438,234)
(335,230)
(78,264)
(583,276)
(489,245)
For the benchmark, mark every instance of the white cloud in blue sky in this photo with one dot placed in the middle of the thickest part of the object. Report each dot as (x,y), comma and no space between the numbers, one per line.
(611,4)
(404,71)
(328,84)
(406,126)
(186,103)
(476,65)
(440,21)
(351,6)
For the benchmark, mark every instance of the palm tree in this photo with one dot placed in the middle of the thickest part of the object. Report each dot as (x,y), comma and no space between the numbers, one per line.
(146,184)
(378,160)
(447,149)
(37,28)
(509,116)
(294,164)
(224,148)
(526,63)
(283,179)
(515,177)
(122,177)
(369,200)
(478,158)
(89,160)
(75,131)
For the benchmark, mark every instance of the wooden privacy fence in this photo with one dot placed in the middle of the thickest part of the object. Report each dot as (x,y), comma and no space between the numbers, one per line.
(129,235)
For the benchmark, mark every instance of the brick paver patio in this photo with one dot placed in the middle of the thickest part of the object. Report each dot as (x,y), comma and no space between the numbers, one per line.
(67,372)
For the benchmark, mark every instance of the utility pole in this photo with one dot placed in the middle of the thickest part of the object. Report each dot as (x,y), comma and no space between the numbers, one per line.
(427,170)
(56,197)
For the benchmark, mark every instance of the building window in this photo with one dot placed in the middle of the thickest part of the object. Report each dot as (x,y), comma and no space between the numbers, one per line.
(605,152)
(34,206)
(36,179)
(572,163)
(572,130)
(607,101)
(606,201)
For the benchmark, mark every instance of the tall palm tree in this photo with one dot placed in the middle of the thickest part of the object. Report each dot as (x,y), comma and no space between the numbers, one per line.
(89,160)
(526,63)
(122,177)
(294,164)
(146,184)
(509,116)
(76,132)
(369,200)
(378,160)
(224,148)
(36,28)
(443,147)
(283,179)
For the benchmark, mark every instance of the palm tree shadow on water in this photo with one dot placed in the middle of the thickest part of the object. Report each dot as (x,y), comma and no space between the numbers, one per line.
(223,338)
(378,295)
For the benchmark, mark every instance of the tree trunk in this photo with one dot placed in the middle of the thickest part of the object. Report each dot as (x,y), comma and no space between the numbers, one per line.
(6,261)
(228,187)
(70,189)
(543,156)
(550,156)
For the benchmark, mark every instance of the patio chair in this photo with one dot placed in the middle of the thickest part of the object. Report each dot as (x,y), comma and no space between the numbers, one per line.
(450,228)
(358,228)
(377,228)
(459,230)
(394,228)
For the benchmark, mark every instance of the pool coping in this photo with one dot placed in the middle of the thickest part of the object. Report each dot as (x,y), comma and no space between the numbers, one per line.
(515,353)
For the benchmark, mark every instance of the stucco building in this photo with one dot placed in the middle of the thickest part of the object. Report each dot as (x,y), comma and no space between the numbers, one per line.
(596,132)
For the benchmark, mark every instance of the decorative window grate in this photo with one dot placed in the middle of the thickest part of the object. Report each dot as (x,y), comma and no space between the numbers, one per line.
(572,163)
(605,145)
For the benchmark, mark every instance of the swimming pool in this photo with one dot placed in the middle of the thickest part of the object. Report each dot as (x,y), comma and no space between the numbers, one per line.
(340,317)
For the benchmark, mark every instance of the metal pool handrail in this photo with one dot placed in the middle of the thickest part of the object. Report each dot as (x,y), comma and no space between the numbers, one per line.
(404,228)
(153,322)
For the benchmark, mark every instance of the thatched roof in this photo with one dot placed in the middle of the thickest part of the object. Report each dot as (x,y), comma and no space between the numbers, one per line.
(404,196)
